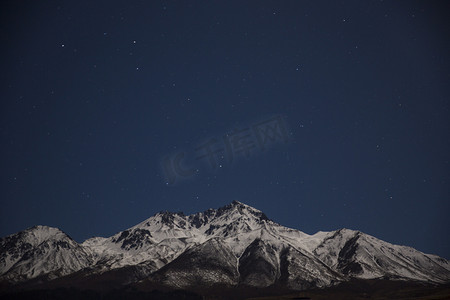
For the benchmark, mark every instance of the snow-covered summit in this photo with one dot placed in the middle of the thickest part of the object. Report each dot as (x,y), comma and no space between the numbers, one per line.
(40,251)
(165,243)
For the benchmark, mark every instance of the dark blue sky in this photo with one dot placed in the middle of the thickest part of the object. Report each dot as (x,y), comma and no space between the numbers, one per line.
(96,94)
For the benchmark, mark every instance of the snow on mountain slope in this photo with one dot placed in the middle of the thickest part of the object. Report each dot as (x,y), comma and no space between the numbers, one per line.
(166,235)
(260,251)
(160,239)
(259,265)
(38,251)
(208,264)
(360,255)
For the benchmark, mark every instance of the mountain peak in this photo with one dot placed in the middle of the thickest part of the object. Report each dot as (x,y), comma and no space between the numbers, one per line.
(44,228)
(237,208)
(39,233)
(265,253)
(236,203)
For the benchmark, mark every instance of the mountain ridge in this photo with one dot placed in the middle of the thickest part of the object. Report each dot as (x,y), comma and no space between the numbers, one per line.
(175,250)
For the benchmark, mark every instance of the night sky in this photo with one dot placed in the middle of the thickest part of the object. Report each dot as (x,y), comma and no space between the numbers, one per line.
(322,114)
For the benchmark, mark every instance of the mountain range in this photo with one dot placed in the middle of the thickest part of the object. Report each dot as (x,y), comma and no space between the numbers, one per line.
(235,246)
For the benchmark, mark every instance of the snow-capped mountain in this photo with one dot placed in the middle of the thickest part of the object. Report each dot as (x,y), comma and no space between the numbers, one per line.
(41,251)
(236,245)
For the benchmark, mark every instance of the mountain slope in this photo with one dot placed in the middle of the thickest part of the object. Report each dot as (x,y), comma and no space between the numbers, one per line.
(208,264)
(366,257)
(235,245)
(41,251)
